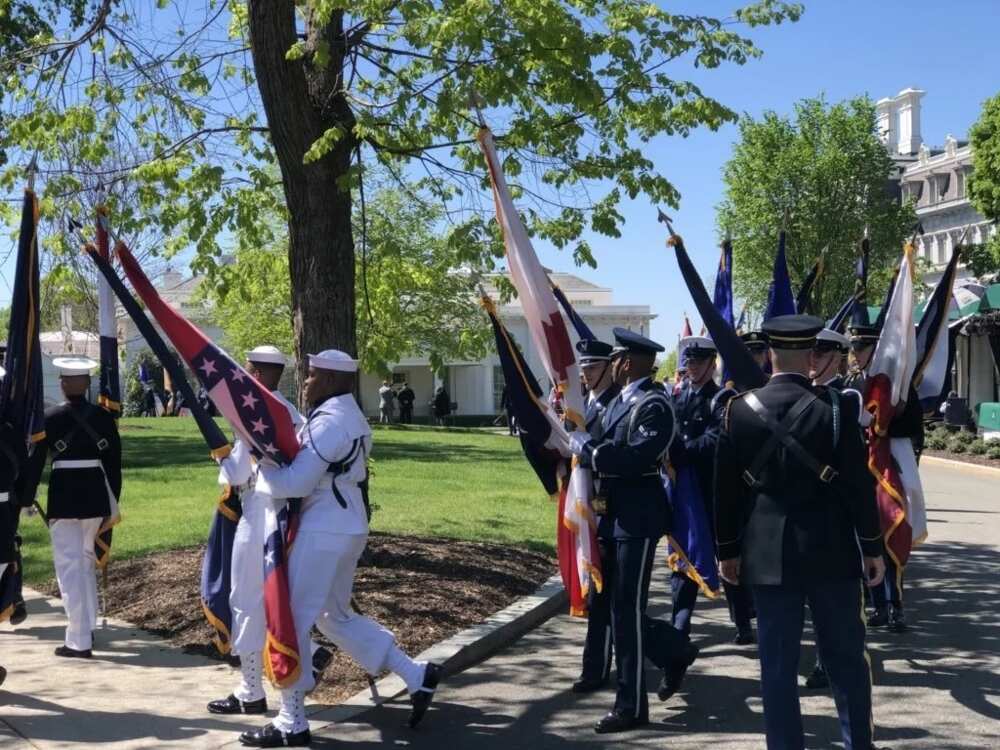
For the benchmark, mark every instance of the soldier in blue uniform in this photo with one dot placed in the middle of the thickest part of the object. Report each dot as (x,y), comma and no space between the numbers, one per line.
(595,367)
(698,411)
(636,430)
(794,500)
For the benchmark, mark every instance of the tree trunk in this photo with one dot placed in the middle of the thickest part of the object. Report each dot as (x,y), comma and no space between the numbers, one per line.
(301,104)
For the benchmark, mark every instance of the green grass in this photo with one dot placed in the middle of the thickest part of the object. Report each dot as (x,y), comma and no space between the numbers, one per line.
(466,484)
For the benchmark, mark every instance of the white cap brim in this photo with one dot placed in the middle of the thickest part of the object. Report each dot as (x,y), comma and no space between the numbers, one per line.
(267,355)
(331,359)
(70,366)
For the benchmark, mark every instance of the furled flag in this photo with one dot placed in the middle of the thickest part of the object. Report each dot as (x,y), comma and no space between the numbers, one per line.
(743,369)
(891,460)
(803,300)
(741,323)
(582,329)
(217,563)
(934,352)
(723,296)
(149,387)
(110,389)
(264,424)
(21,402)
(691,549)
(551,339)
(780,300)
(537,430)
(859,307)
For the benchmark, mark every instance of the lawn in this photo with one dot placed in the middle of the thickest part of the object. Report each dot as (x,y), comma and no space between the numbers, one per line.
(465,484)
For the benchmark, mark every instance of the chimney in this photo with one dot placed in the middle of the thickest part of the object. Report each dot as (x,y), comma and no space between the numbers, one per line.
(908,106)
(66,326)
(886,121)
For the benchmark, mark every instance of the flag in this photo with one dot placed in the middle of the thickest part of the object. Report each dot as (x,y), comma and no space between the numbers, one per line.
(582,329)
(21,399)
(803,300)
(780,300)
(110,389)
(691,546)
(891,460)
(149,387)
(859,307)
(265,426)
(839,321)
(551,339)
(539,441)
(217,563)
(723,296)
(741,323)
(931,373)
(742,367)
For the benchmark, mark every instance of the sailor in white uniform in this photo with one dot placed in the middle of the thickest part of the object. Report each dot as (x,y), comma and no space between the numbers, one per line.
(246,598)
(328,473)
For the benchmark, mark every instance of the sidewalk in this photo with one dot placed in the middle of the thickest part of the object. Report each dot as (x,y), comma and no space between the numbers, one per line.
(936,686)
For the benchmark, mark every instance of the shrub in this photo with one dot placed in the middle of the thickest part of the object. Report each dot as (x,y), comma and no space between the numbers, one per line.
(965,438)
(977,447)
(957,446)
(936,443)
(993,452)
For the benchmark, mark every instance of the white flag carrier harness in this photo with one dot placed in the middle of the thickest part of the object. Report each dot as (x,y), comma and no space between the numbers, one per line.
(341,467)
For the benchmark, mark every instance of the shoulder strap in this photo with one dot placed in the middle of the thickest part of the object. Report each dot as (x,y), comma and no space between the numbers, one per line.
(61,446)
(781,435)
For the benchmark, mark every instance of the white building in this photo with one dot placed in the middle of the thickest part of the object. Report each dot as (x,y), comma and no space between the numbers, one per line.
(475,387)
(936,180)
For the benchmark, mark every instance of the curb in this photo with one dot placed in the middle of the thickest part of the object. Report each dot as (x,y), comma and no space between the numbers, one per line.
(963,465)
(459,652)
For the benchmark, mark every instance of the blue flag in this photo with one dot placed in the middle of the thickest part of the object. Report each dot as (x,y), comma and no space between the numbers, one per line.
(691,546)
(582,329)
(723,296)
(859,310)
(780,300)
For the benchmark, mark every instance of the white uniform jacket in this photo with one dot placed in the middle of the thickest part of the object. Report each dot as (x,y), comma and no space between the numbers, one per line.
(336,433)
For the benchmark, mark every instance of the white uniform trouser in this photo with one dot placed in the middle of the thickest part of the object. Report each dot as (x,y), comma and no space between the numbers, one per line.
(246,593)
(76,573)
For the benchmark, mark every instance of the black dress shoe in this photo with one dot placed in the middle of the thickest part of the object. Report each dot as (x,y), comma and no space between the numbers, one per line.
(233,705)
(673,675)
(421,698)
(897,620)
(72,653)
(745,637)
(616,722)
(20,613)
(817,678)
(270,736)
(879,618)
(320,661)
(588,684)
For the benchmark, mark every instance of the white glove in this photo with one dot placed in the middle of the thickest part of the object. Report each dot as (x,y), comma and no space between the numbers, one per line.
(577,441)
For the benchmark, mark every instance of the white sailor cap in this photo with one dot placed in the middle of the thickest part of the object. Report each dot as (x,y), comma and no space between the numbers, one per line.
(697,345)
(267,354)
(830,339)
(3,372)
(333,359)
(70,366)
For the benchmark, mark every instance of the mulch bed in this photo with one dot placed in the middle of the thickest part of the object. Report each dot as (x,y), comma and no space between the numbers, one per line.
(423,590)
(967,458)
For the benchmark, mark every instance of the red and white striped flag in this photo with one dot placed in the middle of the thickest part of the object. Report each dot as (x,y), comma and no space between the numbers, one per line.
(551,339)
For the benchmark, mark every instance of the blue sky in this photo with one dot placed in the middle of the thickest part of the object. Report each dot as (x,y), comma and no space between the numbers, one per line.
(840,48)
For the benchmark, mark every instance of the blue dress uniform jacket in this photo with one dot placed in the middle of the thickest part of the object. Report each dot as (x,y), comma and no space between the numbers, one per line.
(791,527)
(637,431)
(698,417)
(78,492)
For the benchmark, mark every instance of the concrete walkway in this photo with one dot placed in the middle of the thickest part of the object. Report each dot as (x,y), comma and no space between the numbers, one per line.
(936,686)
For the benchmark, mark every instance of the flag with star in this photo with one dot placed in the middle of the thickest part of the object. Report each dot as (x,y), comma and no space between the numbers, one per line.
(264,424)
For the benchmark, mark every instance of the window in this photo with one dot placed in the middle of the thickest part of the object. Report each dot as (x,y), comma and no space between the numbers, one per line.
(960,184)
(398,378)
(498,385)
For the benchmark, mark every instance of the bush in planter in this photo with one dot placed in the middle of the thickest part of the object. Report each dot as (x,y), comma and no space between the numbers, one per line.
(936,443)
(958,446)
(993,452)
(977,447)
(965,438)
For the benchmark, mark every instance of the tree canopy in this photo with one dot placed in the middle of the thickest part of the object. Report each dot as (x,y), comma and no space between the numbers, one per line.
(825,169)
(189,113)
(984,184)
